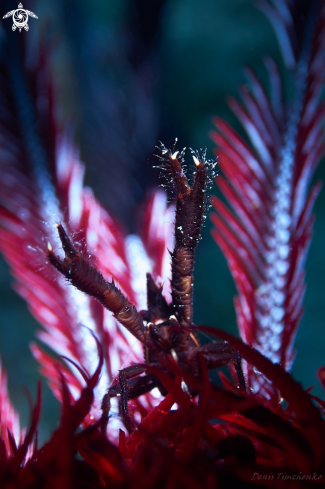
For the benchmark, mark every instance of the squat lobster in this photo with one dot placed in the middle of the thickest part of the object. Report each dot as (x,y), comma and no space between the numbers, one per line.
(164,329)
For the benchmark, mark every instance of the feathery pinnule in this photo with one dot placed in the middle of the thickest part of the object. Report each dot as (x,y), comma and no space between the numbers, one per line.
(266,235)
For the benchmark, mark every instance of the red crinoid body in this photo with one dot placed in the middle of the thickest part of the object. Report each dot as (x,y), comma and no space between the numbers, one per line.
(270,434)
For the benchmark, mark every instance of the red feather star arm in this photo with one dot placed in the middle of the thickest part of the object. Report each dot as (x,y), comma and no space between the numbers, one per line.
(8,417)
(30,207)
(266,237)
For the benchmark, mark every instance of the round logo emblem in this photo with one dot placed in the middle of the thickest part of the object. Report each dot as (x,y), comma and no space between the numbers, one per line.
(20,18)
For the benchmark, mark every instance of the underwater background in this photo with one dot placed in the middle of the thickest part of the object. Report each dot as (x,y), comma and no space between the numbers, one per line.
(189,57)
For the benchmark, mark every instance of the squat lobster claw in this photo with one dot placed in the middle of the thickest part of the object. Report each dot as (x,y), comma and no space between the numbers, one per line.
(164,329)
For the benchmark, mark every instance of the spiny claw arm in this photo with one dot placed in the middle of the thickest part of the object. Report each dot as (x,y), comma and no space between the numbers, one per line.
(189,219)
(87,279)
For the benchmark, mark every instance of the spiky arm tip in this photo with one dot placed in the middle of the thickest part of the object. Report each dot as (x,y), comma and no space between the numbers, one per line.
(87,279)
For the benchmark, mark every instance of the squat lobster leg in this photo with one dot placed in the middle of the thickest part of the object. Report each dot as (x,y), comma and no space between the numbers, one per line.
(129,387)
(220,353)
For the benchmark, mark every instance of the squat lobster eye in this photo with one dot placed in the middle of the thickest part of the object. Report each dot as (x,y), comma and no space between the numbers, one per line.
(164,329)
